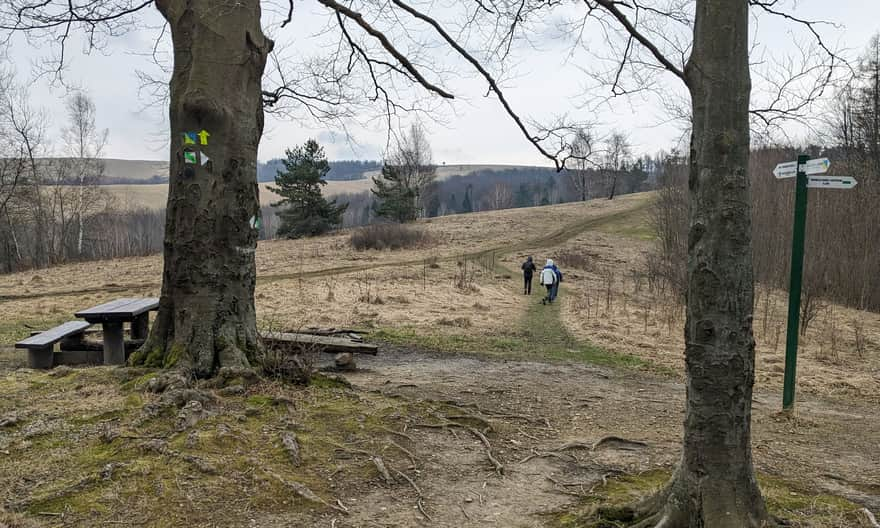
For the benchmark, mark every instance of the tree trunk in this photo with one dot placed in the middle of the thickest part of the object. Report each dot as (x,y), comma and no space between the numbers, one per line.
(714,484)
(206,316)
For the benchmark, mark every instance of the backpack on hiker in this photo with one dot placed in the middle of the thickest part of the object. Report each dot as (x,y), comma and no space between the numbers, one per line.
(548,277)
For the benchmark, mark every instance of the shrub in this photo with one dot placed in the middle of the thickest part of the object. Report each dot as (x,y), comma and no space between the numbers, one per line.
(390,236)
(571,258)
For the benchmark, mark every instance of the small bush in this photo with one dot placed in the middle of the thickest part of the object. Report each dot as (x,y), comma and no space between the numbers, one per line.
(460,322)
(570,258)
(390,236)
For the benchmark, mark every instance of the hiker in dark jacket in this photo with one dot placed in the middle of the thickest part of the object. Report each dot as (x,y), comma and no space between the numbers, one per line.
(555,290)
(528,268)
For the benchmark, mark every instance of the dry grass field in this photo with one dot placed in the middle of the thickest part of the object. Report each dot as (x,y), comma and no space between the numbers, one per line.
(155,196)
(461,347)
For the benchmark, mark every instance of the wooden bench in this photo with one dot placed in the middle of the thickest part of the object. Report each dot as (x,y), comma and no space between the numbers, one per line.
(41,346)
(329,344)
(112,315)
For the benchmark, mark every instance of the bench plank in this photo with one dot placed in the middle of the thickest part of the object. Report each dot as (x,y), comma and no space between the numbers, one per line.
(119,310)
(54,335)
(327,344)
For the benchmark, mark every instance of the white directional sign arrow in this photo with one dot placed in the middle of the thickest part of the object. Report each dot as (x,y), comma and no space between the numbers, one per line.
(814,166)
(831,182)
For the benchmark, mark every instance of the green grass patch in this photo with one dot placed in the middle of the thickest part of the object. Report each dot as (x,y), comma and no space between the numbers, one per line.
(13,330)
(636,225)
(541,336)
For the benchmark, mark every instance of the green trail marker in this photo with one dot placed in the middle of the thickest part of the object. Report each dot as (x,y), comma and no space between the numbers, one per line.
(802,170)
(190,156)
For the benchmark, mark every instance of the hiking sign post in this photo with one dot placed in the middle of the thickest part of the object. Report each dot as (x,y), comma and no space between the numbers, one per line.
(805,171)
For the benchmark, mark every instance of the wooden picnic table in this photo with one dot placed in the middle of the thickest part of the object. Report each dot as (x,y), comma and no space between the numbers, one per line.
(112,315)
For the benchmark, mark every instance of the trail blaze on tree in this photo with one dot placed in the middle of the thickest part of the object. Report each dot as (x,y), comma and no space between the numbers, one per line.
(206,314)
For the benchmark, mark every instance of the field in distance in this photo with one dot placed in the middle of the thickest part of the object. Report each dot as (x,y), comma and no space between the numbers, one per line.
(155,196)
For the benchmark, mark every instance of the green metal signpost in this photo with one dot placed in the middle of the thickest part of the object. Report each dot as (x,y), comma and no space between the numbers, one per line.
(794,289)
(801,170)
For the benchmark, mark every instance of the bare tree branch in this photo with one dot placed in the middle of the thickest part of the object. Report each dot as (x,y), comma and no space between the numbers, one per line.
(378,35)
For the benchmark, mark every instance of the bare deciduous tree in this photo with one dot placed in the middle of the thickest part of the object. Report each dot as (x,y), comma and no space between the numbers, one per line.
(714,483)
(414,162)
(617,155)
(579,171)
(85,144)
(500,197)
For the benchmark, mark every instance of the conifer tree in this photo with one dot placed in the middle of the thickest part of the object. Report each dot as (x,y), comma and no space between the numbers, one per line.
(396,200)
(307,213)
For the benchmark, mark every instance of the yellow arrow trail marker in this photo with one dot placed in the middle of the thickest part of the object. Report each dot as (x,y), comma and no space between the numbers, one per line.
(203,137)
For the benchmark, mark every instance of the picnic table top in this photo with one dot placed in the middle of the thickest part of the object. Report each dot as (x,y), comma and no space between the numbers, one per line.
(55,334)
(119,310)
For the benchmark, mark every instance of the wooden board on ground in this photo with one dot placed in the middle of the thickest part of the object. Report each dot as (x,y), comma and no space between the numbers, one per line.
(327,344)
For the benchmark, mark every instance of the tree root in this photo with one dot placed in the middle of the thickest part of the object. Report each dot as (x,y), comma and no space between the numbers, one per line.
(869,517)
(398,433)
(306,493)
(412,457)
(615,441)
(380,466)
(498,466)
(291,446)
(420,502)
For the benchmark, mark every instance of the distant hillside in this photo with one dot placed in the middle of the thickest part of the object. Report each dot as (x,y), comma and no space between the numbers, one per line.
(137,194)
(134,172)
(344,170)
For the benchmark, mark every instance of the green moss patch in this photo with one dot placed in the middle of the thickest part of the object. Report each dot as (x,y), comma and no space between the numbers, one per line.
(96,448)
(609,505)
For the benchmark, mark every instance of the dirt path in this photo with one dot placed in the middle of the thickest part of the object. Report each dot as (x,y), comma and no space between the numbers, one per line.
(535,406)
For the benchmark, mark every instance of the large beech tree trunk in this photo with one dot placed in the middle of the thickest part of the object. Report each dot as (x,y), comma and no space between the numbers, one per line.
(206,316)
(714,485)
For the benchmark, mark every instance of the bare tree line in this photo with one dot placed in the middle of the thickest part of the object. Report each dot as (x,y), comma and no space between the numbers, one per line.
(843,227)
(53,209)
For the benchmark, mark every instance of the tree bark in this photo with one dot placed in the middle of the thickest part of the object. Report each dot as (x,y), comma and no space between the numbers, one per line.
(714,484)
(206,317)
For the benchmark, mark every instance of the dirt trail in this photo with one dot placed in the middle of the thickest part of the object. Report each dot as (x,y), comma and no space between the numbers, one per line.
(536,406)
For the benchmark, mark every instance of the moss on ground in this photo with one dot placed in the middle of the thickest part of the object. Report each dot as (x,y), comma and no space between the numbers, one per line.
(608,506)
(96,447)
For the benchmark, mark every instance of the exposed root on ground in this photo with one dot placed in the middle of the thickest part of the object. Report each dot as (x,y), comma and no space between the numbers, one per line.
(304,492)
(420,502)
(607,441)
(448,424)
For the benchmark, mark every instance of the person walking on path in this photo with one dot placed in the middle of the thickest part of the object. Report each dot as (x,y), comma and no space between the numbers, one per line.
(548,280)
(555,290)
(528,269)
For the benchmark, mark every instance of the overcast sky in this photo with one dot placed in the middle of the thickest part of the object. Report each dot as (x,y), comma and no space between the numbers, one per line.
(472,130)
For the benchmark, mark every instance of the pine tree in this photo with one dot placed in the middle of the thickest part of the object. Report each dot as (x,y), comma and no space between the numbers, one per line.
(308,212)
(523,196)
(467,205)
(396,201)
